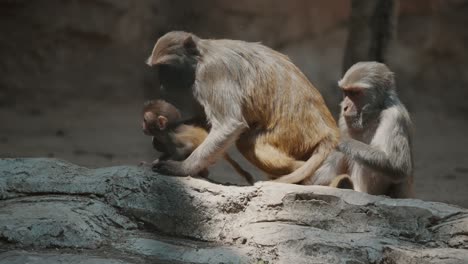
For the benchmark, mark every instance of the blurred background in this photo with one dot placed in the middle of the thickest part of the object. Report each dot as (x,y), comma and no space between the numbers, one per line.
(73,77)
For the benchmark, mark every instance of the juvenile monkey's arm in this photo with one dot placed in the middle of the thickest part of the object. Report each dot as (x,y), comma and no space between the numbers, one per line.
(215,144)
(393,166)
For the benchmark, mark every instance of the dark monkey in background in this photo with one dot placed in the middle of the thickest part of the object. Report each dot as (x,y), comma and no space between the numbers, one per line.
(252,96)
(375,126)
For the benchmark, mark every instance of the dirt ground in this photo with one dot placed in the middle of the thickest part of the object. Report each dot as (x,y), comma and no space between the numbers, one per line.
(96,134)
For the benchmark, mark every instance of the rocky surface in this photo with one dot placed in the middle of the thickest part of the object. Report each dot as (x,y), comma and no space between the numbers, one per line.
(52,211)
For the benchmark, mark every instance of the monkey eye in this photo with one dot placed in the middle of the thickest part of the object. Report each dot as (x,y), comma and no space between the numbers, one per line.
(352,92)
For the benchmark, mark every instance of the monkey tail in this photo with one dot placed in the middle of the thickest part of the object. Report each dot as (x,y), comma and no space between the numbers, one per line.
(308,169)
(247,176)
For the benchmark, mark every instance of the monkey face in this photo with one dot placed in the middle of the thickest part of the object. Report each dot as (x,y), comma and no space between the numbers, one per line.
(353,101)
(148,127)
(178,77)
(149,124)
(353,106)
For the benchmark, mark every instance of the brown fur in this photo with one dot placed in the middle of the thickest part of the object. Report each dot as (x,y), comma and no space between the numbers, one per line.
(191,134)
(178,141)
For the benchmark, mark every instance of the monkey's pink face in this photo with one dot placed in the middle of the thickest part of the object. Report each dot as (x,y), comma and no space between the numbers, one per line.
(352,102)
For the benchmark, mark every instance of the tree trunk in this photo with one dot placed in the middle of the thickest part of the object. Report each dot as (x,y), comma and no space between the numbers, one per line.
(371,29)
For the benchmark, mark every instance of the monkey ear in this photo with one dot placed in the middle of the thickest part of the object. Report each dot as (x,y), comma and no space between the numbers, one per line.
(162,122)
(190,45)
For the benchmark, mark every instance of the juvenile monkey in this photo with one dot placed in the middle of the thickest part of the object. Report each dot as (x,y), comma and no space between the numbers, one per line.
(376,130)
(174,139)
(252,96)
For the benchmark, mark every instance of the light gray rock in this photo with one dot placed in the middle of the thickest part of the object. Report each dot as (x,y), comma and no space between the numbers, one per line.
(187,252)
(59,221)
(23,257)
(131,210)
(424,256)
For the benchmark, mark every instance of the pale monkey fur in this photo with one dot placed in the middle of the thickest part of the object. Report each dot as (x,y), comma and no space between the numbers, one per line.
(376,144)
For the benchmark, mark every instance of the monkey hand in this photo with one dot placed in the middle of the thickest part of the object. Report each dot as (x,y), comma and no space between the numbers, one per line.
(360,151)
(346,146)
(169,167)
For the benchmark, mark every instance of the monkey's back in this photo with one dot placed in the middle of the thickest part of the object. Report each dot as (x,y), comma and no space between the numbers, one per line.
(276,95)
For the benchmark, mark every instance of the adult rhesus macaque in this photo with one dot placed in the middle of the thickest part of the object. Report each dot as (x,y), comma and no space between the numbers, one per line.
(376,135)
(252,96)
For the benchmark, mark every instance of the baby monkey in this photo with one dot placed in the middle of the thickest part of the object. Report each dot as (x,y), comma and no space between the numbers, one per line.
(174,139)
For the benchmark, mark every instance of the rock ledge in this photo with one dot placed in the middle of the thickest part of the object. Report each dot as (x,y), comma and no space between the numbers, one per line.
(53,211)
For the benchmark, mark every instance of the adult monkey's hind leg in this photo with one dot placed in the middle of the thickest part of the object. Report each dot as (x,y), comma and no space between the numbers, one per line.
(255,148)
(258,148)
(270,159)
(315,160)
